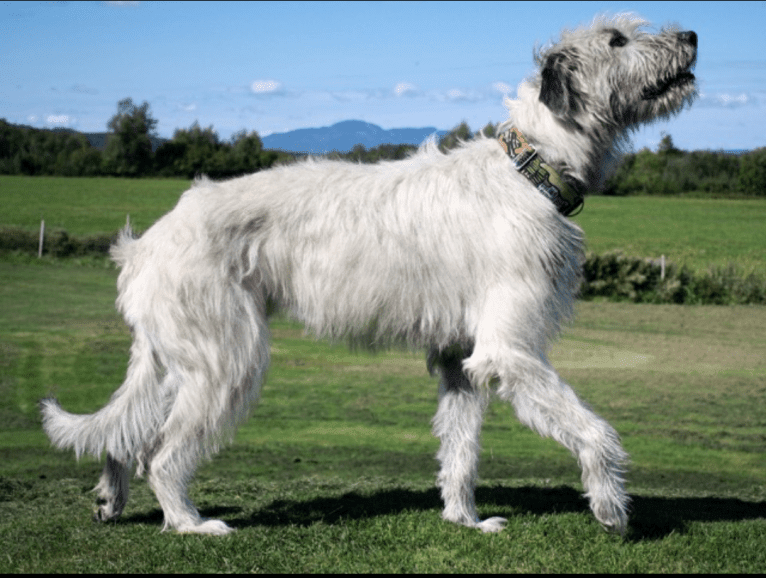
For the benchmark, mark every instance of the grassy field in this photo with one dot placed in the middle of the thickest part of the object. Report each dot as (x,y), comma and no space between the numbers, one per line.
(695,232)
(334,472)
(87,205)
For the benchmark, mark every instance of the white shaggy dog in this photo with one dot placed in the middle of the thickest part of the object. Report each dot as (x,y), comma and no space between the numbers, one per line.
(463,254)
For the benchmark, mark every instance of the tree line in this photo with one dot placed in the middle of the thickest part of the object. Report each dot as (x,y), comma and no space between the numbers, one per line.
(128,151)
(671,171)
(196,150)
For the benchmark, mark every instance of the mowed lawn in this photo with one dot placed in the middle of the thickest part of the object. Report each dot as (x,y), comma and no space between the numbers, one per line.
(334,471)
(694,232)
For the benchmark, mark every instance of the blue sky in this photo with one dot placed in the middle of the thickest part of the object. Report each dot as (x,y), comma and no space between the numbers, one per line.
(274,67)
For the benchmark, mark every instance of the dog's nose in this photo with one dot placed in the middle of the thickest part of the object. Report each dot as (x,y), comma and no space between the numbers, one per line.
(689,36)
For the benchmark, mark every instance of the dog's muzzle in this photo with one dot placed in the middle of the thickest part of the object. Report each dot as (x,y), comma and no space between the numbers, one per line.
(684,75)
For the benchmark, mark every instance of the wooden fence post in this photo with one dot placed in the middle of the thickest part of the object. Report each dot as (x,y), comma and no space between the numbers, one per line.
(42,234)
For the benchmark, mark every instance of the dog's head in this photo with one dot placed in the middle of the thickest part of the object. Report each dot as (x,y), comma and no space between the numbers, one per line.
(613,74)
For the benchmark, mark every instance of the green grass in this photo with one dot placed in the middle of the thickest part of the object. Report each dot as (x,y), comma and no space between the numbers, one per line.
(334,471)
(694,232)
(84,206)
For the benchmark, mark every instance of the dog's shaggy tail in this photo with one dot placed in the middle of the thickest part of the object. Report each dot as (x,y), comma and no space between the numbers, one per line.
(122,427)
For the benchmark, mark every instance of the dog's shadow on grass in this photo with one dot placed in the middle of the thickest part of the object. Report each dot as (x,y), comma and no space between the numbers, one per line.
(652,518)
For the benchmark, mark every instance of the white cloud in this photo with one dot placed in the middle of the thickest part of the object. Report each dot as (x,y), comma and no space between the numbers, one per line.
(266,86)
(502,87)
(726,100)
(57,119)
(405,89)
(732,100)
(188,107)
(460,95)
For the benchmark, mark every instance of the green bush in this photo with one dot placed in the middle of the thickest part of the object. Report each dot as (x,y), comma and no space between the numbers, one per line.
(752,173)
(17,239)
(728,285)
(56,242)
(618,277)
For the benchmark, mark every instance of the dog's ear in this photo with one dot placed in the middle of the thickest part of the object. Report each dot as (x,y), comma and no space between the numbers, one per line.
(558,91)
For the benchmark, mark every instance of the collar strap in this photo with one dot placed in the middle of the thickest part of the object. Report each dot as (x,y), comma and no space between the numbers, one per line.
(528,162)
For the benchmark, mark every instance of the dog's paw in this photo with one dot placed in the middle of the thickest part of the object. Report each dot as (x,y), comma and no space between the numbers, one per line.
(495,524)
(210,527)
(106,510)
(617,525)
(613,518)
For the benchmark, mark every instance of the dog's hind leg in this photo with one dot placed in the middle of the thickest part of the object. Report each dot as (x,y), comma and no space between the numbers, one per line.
(457,424)
(180,445)
(203,414)
(214,385)
(112,489)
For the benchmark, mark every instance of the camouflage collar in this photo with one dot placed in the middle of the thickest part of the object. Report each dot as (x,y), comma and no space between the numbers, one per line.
(526,160)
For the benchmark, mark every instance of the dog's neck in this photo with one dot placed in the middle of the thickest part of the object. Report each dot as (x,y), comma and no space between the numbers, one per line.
(529,163)
(574,154)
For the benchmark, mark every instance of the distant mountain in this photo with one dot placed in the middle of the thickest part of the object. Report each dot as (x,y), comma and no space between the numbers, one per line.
(342,137)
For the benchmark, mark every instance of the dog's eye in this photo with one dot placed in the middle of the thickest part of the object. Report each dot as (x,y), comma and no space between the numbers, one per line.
(618,40)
